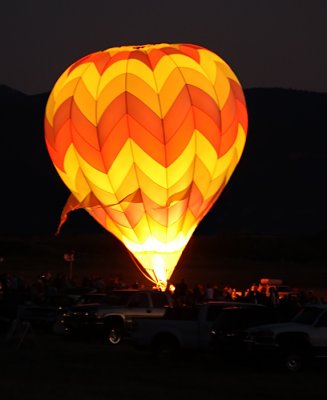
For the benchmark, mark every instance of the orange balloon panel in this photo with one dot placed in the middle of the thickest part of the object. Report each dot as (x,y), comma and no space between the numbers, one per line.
(146,138)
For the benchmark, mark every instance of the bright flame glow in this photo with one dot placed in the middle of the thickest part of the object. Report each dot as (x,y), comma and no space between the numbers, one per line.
(172,288)
(159,268)
(157,258)
(154,245)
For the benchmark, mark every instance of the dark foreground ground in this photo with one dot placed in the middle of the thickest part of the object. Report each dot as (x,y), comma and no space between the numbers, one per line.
(48,367)
(51,367)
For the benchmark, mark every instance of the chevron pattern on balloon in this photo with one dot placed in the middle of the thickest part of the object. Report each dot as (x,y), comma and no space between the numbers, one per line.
(146,138)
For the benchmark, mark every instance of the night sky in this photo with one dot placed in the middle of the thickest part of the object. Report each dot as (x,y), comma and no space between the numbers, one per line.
(279,43)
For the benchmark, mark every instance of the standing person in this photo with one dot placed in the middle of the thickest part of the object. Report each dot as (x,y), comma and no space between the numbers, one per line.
(209,292)
(198,293)
(273,296)
(180,293)
(227,292)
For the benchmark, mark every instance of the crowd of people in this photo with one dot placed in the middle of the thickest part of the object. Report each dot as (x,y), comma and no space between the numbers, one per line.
(288,303)
(15,290)
(264,294)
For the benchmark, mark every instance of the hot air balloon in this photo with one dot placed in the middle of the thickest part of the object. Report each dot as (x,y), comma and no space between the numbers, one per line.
(146,138)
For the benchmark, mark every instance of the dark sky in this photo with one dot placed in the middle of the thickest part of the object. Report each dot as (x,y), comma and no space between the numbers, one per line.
(268,43)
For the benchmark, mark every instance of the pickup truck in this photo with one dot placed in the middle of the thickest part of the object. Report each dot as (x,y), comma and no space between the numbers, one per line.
(108,317)
(294,342)
(180,328)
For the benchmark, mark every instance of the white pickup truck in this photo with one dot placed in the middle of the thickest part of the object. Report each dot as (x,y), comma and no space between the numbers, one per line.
(180,328)
(294,342)
(108,315)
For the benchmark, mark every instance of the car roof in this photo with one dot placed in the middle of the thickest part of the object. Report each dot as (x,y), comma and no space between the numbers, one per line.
(317,305)
(235,304)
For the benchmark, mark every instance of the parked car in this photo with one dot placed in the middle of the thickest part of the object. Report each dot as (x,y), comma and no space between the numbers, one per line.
(107,317)
(293,343)
(44,315)
(229,329)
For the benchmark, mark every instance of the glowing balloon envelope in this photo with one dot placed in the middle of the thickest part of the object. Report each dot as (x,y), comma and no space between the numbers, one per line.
(146,138)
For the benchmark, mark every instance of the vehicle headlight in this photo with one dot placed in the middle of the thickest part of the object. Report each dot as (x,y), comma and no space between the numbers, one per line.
(91,313)
(67,314)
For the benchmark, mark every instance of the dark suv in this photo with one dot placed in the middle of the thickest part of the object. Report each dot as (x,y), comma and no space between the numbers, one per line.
(294,342)
(229,329)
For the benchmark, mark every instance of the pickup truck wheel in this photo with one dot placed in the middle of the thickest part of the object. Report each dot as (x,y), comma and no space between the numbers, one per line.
(114,334)
(293,361)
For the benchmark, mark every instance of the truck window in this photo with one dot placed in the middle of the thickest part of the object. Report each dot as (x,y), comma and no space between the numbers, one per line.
(140,300)
(307,315)
(213,312)
(159,300)
(118,298)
